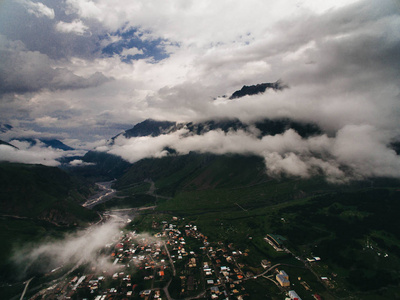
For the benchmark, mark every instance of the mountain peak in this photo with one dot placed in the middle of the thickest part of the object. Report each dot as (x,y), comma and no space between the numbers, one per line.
(7,144)
(258,89)
(150,127)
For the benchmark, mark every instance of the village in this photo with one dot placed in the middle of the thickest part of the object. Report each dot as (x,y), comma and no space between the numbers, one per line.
(177,262)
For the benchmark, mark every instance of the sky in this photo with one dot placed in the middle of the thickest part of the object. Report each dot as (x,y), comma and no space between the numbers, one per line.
(83,71)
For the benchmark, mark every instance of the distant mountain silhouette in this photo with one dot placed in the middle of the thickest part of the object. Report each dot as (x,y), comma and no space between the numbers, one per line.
(258,89)
(8,144)
(54,143)
(150,127)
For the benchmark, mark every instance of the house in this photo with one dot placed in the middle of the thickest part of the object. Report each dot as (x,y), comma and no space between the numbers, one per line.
(283,281)
(284,274)
(214,289)
(145,293)
(275,241)
(293,295)
(265,263)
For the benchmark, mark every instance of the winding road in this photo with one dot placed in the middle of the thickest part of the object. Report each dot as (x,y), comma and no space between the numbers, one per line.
(105,194)
(26,287)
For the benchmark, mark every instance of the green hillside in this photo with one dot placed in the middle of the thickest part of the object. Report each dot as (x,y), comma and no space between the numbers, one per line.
(101,166)
(206,181)
(196,172)
(38,202)
(37,191)
(353,227)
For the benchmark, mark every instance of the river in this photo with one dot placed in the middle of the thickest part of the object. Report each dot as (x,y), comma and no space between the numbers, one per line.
(104,195)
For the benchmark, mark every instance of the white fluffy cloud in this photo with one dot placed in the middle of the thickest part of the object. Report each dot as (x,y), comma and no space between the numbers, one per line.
(358,149)
(81,247)
(342,73)
(76,27)
(26,71)
(199,23)
(80,163)
(131,51)
(38,9)
(334,79)
(37,154)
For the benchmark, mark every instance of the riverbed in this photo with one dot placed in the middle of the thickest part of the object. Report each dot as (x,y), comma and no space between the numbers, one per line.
(106,193)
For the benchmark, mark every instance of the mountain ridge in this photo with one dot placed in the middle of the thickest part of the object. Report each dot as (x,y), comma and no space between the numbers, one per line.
(153,128)
(7,144)
(258,89)
(54,143)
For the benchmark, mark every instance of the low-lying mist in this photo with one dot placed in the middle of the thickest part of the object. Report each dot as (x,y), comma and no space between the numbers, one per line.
(81,247)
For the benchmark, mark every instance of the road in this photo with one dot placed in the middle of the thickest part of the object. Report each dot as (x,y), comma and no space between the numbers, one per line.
(26,287)
(133,209)
(152,191)
(106,194)
(166,291)
(170,259)
(265,272)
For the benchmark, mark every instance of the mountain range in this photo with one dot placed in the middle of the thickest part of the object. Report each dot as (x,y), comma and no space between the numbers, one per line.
(105,166)
(154,128)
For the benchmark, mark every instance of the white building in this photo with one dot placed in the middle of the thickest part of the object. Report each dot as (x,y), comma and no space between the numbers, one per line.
(293,295)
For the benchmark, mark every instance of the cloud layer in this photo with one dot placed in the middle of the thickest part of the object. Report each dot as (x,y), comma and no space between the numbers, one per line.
(356,152)
(38,153)
(86,70)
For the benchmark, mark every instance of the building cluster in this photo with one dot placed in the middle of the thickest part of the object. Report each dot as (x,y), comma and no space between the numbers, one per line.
(283,279)
(221,276)
(177,260)
(223,273)
(131,254)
